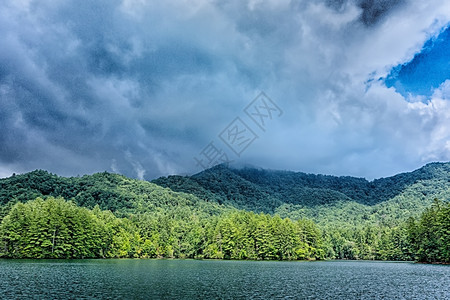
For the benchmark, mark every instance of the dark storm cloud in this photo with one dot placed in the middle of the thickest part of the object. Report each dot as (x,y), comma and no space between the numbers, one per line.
(74,80)
(376,10)
(373,11)
(140,87)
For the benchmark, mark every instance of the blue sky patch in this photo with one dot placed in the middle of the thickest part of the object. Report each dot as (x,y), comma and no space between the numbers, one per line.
(426,71)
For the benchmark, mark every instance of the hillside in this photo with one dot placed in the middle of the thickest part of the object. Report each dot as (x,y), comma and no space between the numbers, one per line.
(320,197)
(113,192)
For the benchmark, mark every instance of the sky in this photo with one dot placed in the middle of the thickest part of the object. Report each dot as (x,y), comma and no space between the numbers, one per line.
(153,88)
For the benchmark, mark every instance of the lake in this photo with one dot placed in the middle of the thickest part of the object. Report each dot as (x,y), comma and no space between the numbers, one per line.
(214,279)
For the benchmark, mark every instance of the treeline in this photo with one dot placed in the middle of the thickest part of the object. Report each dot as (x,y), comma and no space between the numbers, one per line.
(55,228)
(424,239)
(368,243)
(429,236)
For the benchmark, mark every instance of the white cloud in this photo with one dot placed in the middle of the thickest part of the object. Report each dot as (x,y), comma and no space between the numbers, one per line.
(443,92)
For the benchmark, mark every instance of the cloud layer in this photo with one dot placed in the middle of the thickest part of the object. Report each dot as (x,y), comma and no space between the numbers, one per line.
(141,87)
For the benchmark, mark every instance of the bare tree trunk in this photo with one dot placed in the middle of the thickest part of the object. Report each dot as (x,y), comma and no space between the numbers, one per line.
(53,242)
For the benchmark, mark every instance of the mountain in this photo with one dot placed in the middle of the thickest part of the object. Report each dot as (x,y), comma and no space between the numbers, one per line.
(113,192)
(322,198)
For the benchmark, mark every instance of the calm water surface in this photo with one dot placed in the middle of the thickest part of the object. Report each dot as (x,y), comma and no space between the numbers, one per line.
(193,279)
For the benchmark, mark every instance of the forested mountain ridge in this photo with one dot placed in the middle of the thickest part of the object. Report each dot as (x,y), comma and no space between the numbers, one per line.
(358,189)
(109,191)
(319,197)
(322,198)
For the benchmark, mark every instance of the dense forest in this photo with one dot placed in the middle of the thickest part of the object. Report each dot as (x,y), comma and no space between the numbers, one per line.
(55,228)
(226,213)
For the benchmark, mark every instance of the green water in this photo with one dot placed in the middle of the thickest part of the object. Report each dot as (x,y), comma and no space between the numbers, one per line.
(192,279)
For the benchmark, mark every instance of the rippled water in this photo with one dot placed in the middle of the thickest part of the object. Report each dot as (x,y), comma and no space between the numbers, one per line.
(193,279)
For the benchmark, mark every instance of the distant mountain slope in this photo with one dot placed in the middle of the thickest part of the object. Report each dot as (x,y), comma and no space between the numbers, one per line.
(110,191)
(286,184)
(319,197)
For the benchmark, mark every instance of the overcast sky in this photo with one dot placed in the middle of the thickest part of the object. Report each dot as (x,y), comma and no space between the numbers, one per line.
(151,88)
